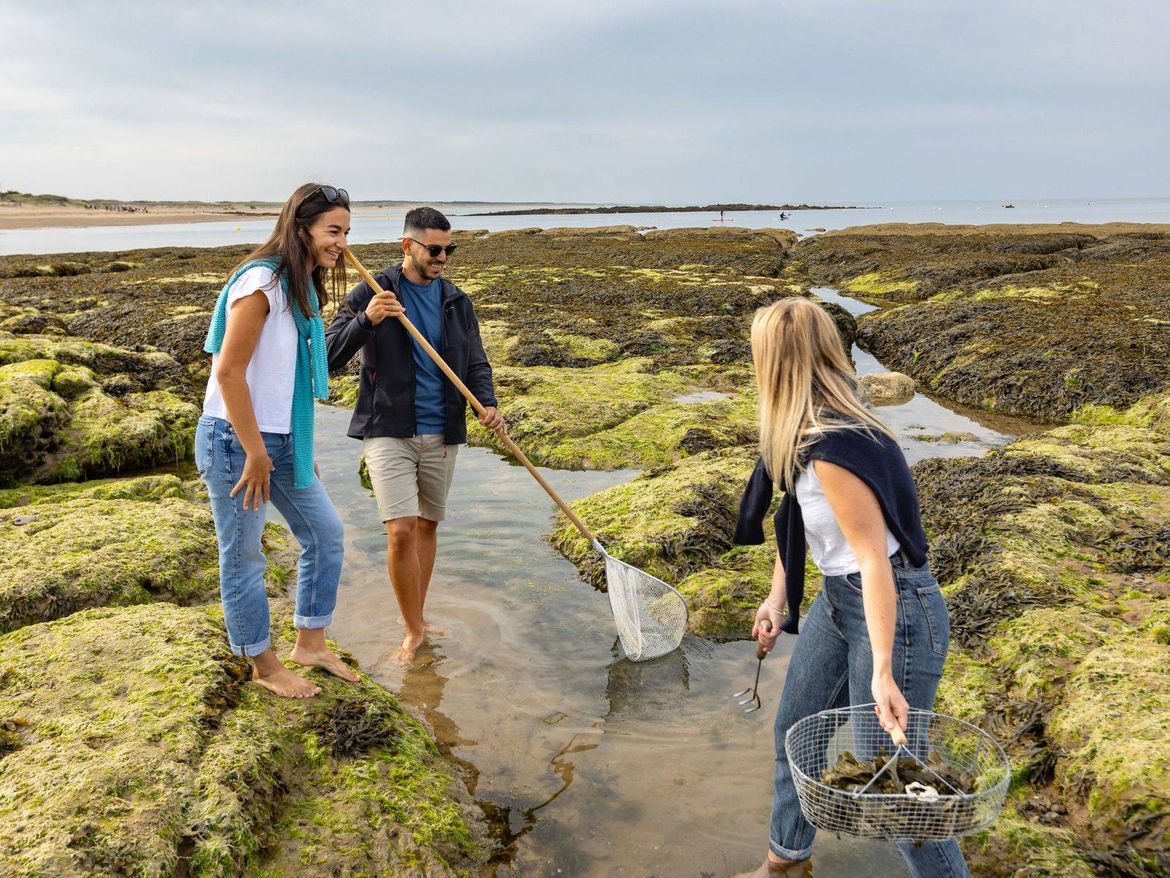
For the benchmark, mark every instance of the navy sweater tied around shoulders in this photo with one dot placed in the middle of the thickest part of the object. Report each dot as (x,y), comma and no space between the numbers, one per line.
(874,458)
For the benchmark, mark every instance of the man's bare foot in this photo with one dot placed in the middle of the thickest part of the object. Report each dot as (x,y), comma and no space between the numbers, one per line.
(285,682)
(431,628)
(326,660)
(410,645)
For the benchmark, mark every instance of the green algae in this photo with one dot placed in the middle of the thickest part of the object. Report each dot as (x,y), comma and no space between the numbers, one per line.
(669,522)
(1031,324)
(57,423)
(111,543)
(1023,848)
(144,751)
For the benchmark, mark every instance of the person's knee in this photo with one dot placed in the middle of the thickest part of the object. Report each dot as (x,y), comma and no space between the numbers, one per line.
(331,535)
(426,527)
(402,532)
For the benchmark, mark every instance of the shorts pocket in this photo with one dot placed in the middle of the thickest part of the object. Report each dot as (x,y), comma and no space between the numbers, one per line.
(938,624)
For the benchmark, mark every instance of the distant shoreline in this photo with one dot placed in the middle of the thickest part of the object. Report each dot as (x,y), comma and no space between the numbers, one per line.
(657,208)
(43,216)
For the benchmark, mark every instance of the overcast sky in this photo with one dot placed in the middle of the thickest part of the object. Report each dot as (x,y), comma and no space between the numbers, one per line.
(673,102)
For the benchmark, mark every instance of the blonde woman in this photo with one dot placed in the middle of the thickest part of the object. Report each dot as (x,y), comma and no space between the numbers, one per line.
(878,630)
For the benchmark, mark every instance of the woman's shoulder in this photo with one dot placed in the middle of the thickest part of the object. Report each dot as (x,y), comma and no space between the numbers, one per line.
(253,277)
(852,438)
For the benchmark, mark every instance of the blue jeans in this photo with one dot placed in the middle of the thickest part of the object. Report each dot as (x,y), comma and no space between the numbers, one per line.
(832,666)
(219,457)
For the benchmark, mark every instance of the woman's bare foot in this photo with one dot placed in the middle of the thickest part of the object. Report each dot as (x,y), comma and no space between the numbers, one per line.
(326,661)
(773,867)
(268,672)
(312,651)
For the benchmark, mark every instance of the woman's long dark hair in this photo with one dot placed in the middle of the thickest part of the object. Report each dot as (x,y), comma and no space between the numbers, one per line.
(290,244)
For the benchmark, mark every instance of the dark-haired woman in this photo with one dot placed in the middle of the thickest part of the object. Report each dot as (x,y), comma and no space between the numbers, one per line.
(878,630)
(254,442)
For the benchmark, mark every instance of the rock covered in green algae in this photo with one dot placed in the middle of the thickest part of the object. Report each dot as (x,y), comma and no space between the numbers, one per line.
(1053,554)
(123,541)
(58,421)
(1035,321)
(140,749)
(614,416)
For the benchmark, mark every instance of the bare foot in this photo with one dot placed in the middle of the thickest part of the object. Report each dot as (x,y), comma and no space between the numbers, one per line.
(774,866)
(285,682)
(429,628)
(324,659)
(410,645)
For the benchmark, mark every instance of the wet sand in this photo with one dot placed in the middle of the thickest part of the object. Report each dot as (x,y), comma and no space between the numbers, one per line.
(41,217)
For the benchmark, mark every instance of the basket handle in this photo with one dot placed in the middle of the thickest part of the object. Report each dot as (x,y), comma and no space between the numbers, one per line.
(898,736)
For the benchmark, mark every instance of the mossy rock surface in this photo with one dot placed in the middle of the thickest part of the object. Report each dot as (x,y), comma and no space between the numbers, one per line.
(1053,554)
(62,417)
(122,541)
(1037,322)
(141,749)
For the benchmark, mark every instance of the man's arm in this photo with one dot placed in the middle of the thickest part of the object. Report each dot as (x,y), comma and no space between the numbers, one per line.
(350,328)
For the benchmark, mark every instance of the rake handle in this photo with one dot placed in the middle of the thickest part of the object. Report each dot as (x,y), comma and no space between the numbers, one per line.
(475,403)
(760,651)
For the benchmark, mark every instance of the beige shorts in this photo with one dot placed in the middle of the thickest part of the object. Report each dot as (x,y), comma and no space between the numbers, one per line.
(411,477)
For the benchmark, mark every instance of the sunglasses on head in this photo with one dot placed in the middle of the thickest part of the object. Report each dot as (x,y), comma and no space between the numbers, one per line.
(436,249)
(329,193)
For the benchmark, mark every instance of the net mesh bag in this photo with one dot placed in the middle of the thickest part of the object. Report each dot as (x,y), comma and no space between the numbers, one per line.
(651,616)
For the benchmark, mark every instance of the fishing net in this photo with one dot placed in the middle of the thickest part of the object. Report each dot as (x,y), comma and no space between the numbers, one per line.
(949,779)
(651,616)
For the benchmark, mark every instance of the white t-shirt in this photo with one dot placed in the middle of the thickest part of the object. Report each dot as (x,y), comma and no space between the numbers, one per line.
(272,371)
(830,551)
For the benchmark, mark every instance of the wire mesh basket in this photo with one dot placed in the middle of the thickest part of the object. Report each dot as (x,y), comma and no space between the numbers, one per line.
(934,805)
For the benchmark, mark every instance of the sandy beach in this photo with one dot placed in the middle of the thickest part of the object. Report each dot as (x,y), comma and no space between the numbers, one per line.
(37,216)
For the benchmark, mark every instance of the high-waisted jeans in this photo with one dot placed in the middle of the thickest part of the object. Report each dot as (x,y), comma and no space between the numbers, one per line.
(832,666)
(314,522)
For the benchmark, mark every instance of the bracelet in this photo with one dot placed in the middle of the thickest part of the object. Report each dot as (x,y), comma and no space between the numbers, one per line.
(779,610)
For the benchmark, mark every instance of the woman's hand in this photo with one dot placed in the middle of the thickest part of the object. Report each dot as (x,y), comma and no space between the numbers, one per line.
(254,481)
(766,627)
(891,706)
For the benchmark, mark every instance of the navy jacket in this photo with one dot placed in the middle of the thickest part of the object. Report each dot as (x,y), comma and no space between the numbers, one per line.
(874,458)
(385,402)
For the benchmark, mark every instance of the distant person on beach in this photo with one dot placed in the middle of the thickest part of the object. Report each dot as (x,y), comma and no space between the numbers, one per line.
(408,415)
(254,442)
(878,629)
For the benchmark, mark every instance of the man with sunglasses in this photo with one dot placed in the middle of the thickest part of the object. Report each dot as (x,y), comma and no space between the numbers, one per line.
(409,417)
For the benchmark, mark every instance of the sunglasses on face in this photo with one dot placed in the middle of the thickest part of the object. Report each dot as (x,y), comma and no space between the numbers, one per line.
(436,249)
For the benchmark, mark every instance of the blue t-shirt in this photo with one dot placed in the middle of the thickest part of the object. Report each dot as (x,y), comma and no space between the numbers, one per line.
(423,304)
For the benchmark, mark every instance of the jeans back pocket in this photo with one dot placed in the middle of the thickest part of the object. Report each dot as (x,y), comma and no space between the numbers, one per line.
(938,623)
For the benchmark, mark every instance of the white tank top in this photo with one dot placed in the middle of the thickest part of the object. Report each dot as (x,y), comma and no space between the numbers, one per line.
(272,370)
(830,552)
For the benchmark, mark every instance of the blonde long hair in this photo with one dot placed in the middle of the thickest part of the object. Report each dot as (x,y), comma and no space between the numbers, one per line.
(806,385)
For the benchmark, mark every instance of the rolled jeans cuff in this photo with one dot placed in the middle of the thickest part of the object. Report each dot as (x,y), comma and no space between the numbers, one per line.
(789,853)
(252,649)
(313,621)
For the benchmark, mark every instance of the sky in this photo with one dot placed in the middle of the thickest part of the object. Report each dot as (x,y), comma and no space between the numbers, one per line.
(671,102)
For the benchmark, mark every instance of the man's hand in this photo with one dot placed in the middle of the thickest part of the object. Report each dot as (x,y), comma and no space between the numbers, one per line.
(384,304)
(493,420)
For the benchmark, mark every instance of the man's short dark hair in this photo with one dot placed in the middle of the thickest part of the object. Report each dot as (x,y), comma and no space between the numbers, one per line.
(420,219)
